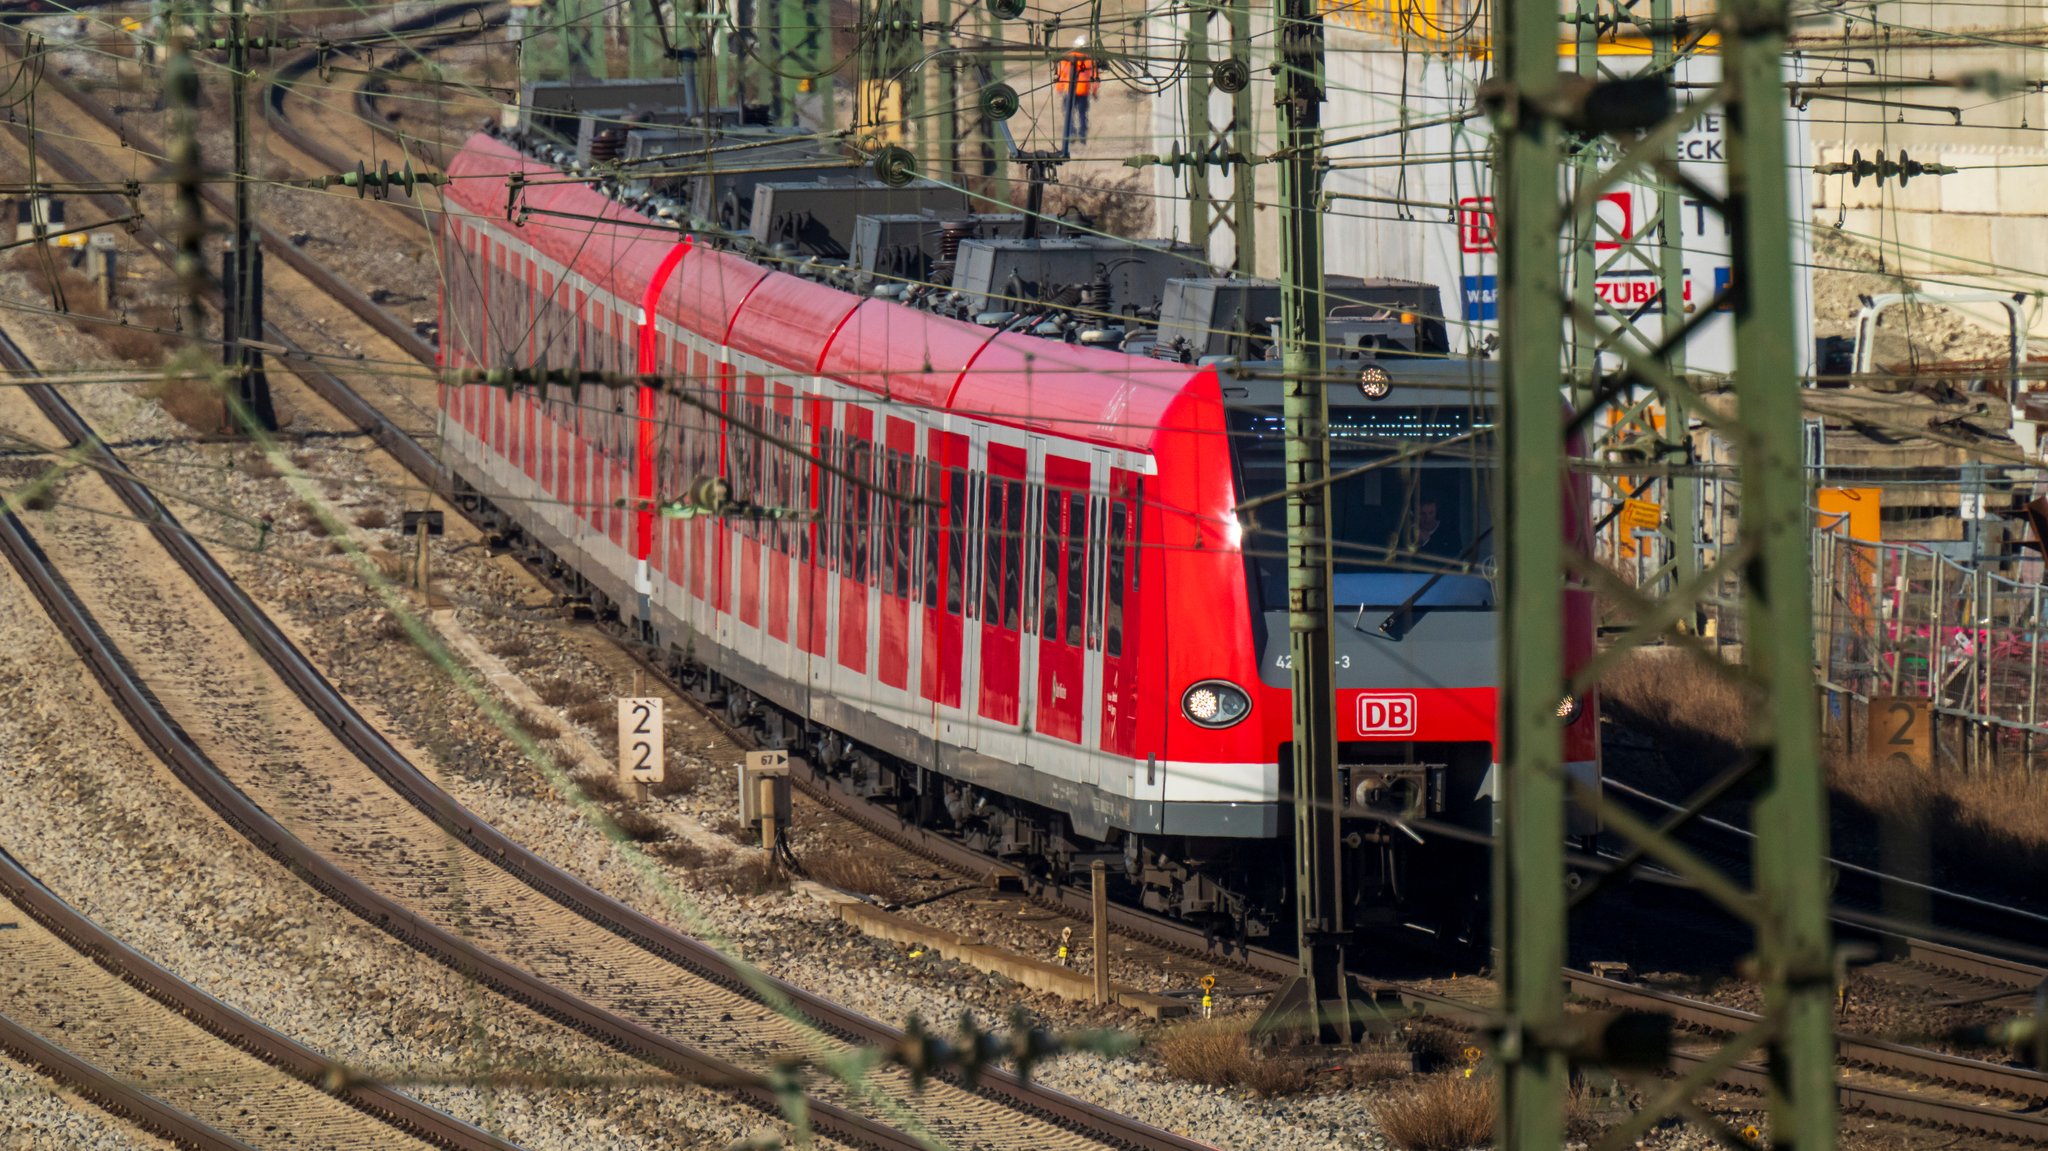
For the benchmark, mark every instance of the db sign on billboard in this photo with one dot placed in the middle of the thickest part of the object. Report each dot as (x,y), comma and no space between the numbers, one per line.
(1386,713)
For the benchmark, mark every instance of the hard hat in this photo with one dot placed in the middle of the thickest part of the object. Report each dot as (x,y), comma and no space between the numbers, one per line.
(1080,41)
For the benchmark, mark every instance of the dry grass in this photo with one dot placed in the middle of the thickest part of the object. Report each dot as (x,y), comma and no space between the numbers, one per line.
(1983,830)
(688,855)
(81,298)
(373,518)
(1667,692)
(755,875)
(310,520)
(729,826)
(561,691)
(193,403)
(1440,1113)
(257,466)
(641,826)
(593,713)
(679,780)
(538,728)
(1114,204)
(391,568)
(1219,1053)
(602,788)
(854,871)
(511,647)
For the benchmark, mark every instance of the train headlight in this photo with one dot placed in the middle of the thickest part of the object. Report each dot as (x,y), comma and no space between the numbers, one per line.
(1375,382)
(1215,703)
(1569,709)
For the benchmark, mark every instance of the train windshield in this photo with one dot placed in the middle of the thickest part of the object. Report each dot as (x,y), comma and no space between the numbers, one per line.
(1420,525)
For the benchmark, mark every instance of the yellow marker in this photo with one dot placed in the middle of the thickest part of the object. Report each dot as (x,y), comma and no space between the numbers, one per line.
(1066,937)
(1208,1000)
(1473,1054)
(1751,1133)
(917,954)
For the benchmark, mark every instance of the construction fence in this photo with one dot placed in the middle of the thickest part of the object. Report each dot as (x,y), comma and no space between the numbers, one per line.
(1934,661)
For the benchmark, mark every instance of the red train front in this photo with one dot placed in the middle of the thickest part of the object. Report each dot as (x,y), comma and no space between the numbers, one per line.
(995,578)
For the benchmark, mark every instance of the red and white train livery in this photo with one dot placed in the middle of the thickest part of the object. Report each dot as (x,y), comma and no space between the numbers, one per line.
(997,575)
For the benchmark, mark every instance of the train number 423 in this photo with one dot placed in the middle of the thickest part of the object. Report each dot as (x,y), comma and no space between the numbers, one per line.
(1285,661)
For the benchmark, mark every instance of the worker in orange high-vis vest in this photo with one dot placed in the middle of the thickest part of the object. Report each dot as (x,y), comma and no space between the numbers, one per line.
(1074,79)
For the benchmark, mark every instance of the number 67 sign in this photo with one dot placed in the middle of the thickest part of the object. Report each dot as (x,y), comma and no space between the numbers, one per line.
(640,749)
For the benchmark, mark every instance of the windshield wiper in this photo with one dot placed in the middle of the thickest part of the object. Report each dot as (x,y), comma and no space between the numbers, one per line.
(1402,618)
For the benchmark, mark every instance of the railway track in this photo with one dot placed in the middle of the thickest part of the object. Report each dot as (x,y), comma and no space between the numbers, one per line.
(1883,1080)
(373,834)
(109,1024)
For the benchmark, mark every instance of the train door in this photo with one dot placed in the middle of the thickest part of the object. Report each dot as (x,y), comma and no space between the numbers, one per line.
(578,492)
(747,453)
(814,544)
(855,542)
(972,483)
(945,562)
(622,445)
(1061,546)
(898,451)
(1002,585)
(720,530)
(1093,636)
(781,529)
(1117,719)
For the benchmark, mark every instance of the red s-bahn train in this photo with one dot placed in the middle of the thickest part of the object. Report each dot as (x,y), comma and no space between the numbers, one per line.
(995,577)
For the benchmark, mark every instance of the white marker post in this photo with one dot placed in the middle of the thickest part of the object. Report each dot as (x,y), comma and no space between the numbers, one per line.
(641,753)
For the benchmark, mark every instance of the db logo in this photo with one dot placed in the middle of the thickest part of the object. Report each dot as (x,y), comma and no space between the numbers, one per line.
(1386,713)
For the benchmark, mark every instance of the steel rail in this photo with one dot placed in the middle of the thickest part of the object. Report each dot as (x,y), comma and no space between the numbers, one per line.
(283,87)
(223,1022)
(1970,964)
(163,735)
(111,1094)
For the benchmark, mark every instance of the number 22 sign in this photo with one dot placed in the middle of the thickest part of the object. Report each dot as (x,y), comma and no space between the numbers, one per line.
(640,748)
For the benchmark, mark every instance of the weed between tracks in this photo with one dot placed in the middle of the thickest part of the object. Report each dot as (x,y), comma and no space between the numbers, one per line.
(858,872)
(1220,1053)
(562,691)
(1439,1113)
(641,826)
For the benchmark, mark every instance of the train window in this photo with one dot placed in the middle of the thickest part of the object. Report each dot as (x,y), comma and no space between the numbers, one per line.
(956,539)
(861,522)
(1049,566)
(900,494)
(1113,629)
(970,529)
(884,500)
(806,529)
(933,496)
(1076,539)
(834,494)
(1013,552)
(1095,539)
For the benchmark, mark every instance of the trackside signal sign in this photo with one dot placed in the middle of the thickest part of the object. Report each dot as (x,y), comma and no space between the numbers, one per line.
(1386,713)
